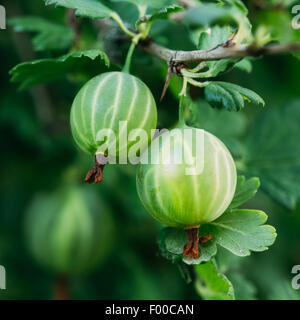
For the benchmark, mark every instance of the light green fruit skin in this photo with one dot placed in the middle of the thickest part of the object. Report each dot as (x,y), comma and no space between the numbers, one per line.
(179,200)
(67,231)
(104,101)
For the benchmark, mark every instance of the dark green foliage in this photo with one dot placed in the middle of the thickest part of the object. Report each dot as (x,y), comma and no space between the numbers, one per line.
(230,96)
(50,36)
(38,151)
(46,70)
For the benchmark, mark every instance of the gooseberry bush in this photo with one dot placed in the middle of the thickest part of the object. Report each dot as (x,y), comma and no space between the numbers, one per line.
(205,212)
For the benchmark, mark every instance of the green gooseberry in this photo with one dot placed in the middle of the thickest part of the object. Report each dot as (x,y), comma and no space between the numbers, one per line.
(69,231)
(178,194)
(101,104)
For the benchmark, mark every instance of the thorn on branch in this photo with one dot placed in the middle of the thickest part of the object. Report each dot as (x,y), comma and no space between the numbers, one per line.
(167,82)
(174,67)
(229,43)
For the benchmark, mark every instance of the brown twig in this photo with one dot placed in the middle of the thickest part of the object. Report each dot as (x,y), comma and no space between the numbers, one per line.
(222,51)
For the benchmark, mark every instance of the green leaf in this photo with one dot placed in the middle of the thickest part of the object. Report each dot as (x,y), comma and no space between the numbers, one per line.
(161,241)
(50,36)
(238,230)
(272,152)
(228,262)
(84,8)
(172,241)
(161,14)
(36,72)
(175,240)
(240,15)
(244,65)
(232,10)
(278,25)
(156,4)
(245,190)
(230,96)
(205,14)
(212,285)
(241,231)
(233,267)
(209,39)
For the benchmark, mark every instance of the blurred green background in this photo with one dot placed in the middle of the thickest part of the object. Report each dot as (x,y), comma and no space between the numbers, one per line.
(39,157)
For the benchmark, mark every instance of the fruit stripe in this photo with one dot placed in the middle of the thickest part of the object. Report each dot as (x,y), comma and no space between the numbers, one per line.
(114,108)
(95,102)
(131,107)
(81,140)
(177,199)
(221,153)
(105,101)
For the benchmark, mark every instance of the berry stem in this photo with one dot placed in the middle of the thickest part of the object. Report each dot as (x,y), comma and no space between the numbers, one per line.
(181,121)
(122,26)
(134,42)
(126,67)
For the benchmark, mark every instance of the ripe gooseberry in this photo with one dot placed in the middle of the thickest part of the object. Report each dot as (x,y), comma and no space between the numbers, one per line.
(102,103)
(178,199)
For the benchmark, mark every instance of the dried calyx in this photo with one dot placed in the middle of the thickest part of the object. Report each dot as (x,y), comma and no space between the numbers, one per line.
(95,175)
(191,249)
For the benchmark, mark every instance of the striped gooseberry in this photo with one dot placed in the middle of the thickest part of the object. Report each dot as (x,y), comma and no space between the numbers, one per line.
(102,104)
(69,231)
(179,198)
